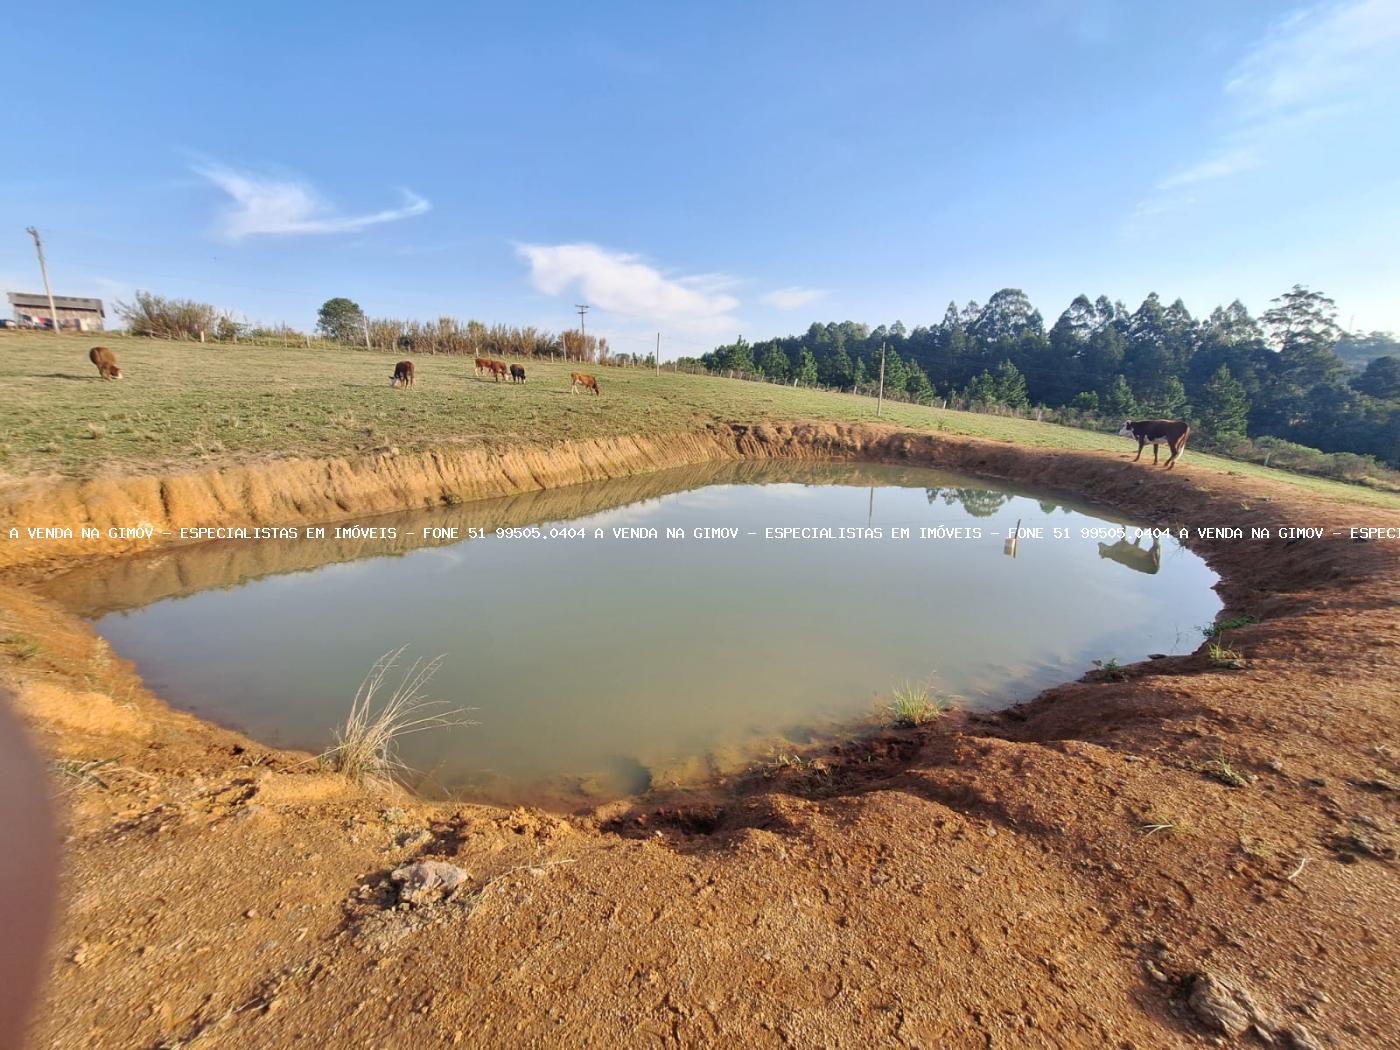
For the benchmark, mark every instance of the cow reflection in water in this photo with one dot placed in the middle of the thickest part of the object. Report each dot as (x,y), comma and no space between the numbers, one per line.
(1133,555)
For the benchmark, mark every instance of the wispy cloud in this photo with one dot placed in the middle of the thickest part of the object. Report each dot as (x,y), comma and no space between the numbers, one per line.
(1220,166)
(1317,56)
(792,298)
(1306,69)
(262,203)
(623,284)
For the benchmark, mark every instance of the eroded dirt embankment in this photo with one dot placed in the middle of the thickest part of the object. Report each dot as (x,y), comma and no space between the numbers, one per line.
(1075,872)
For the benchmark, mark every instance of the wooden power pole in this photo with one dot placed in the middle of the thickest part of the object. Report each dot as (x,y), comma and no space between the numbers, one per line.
(44,269)
(658,353)
(880,401)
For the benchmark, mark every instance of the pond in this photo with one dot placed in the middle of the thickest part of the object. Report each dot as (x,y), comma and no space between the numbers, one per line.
(603,663)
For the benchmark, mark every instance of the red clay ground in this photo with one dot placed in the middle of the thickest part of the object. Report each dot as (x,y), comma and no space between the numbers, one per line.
(1071,873)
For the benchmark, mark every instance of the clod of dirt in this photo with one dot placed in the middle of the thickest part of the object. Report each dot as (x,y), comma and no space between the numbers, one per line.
(428,881)
(1299,1038)
(1221,1005)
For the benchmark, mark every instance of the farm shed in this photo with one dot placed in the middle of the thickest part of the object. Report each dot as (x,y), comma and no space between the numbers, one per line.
(74,313)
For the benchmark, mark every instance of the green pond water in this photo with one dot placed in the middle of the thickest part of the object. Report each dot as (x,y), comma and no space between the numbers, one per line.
(597,667)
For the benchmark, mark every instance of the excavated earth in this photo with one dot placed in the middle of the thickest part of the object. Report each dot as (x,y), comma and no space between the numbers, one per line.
(1078,871)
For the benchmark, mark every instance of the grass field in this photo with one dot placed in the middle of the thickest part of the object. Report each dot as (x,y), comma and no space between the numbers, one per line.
(185,406)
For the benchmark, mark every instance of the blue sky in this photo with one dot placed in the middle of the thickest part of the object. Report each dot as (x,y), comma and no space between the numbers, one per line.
(707,170)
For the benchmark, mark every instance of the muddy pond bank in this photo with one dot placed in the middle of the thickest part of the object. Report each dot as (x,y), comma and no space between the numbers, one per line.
(991,881)
(733,613)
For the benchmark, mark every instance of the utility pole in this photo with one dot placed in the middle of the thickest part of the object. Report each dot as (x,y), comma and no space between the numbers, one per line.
(44,269)
(582,309)
(880,403)
(658,353)
(365,317)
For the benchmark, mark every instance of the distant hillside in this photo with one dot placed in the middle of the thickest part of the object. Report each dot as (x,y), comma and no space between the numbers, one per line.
(1357,350)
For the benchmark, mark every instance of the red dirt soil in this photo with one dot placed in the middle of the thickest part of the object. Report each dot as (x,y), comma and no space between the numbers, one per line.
(1073,872)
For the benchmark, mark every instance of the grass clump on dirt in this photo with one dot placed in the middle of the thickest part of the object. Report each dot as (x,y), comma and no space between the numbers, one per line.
(1110,670)
(366,745)
(1222,770)
(1222,655)
(22,647)
(1229,623)
(916,705)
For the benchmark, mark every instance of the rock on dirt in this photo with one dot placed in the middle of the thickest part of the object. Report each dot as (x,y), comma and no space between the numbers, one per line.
(1226,1007)
(1221,1005)
(428,881)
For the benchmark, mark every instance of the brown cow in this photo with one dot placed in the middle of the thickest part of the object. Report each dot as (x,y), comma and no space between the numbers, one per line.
(106,362)
(1172,432)
(498,369)
(482,364)
(403,374)
(578,379)
(517,373)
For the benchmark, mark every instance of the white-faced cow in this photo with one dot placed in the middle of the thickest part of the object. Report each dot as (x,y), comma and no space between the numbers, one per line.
(580,379)
(1170,432)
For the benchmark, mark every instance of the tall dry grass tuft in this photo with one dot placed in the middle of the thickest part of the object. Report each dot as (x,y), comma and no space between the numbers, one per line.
(366,745)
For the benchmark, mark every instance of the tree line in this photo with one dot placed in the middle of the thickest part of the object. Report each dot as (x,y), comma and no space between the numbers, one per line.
(1290,374)
(341,321)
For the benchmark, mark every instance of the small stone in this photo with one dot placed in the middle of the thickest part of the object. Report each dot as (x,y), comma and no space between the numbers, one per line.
(251,913)
(414,839)
(1220,1005)
(79,955)
(1299,1038)
(426,881)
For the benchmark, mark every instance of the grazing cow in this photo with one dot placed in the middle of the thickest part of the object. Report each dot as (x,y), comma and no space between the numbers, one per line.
(403,374)
(498,369)
(1133,555)
(106,362)
(1171,432)
(482,364)
(517,373)
(578,379)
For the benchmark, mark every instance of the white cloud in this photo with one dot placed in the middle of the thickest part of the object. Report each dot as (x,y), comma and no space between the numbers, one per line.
(792,298)
(621,283)
(1304,71)
(268,204)
(1317,56)
(1222,165)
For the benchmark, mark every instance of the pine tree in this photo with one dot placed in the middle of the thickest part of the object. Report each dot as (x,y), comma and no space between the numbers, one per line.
(1224,407)
(917,385)
(775,363)
(1119,401)
(982,390)
(807,369)
(1011,386)
(860,378)
(1169,401)
(836,369)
